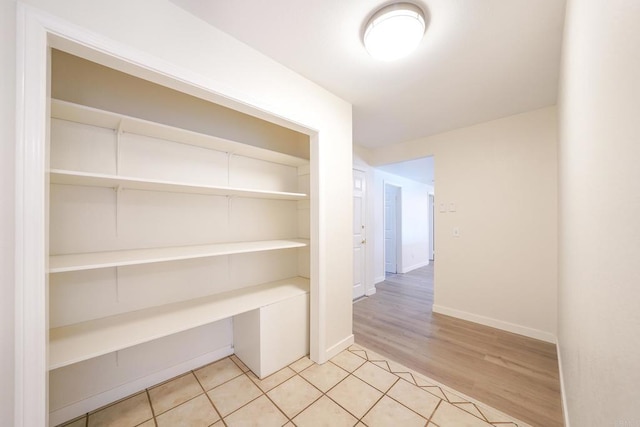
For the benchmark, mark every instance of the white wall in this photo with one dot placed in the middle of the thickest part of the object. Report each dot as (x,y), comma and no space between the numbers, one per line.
(599,292)
(502,177)
(415,222)
(7,155)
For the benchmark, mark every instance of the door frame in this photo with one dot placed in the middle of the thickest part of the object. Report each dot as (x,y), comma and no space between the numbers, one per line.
(398,224)
(364,247)
(432,211)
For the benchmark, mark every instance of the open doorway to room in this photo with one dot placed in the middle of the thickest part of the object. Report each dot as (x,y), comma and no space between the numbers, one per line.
(403,249)
(405,226)
(392,229)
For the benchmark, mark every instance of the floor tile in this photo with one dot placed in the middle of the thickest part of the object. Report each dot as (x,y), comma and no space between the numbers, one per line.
(325,412)
(219,372)
(436,391)
(126,413)
(493,415)
(348,361)
(197,412)
(382,364)
(174,392)
(375,376)
(470,408)
(148,423)
(448,415)
(452,397)
(239,362)
(80,422)
(232,395)
(421,381)
(414,398)
(301,364)
(324,376)
(294,395)
(272,380)
(354,395)
(261,412)
(388,412)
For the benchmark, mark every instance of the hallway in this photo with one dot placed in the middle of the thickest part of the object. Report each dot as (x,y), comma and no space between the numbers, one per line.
(515,374)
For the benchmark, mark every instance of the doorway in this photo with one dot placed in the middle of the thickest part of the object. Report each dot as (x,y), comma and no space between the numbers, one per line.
(392,229)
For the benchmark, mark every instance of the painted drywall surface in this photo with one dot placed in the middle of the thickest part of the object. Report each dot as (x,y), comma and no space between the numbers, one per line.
(415,222)
(599,296)
(230,67)
(7,206)
(84,82)
(502,178)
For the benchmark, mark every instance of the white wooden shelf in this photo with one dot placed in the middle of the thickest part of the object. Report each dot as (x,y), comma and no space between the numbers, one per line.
(86,340)
(94,260)
(105,119)
(66,177)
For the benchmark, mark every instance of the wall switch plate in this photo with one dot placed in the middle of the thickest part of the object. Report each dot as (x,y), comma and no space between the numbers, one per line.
(456,232)
(452,207)
(443,207)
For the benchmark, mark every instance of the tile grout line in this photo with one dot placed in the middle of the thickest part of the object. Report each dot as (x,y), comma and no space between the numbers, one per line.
(153,413)
(207,394)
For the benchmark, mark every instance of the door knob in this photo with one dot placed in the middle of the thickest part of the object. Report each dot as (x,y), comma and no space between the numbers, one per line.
(364,241)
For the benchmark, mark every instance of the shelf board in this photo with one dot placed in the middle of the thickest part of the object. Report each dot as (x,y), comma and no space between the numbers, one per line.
(69,111)
(65,177)
(94,260)
(86,340)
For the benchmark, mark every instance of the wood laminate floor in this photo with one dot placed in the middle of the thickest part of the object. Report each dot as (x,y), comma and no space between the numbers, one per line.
(514,374)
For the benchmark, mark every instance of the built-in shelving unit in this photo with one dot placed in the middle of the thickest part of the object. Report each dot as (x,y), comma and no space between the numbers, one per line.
(90,261)
(82,341)
(65,177)
(125,124)
(175,238)
(87,339)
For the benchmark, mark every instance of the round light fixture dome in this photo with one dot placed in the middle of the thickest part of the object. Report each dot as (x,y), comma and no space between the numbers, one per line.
(394,31)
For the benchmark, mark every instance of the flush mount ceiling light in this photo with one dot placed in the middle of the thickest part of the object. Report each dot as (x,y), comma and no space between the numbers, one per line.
(394,31)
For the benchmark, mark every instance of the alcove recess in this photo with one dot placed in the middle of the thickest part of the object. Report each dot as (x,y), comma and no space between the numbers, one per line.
(178,234)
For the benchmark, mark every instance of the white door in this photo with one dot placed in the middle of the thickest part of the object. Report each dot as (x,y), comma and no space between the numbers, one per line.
(359,235)
(390,229)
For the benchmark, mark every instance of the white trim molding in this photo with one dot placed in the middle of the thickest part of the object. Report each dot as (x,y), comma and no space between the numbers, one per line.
(495,323)
(31,373)
(335,349)
(563,388)
(416,266)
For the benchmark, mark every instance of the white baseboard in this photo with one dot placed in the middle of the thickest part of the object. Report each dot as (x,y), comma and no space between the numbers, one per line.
(335,349)
(563,395)
(415,266)
(498,324)
(94,402)
(379,279)
(370,292)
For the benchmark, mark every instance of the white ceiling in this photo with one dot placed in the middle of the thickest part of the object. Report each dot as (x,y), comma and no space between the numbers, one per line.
(420,170)
(480,59)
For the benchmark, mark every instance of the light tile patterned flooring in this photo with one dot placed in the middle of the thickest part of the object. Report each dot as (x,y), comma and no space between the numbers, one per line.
(356,388)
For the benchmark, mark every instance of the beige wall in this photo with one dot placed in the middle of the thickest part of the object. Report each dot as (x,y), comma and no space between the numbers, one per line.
(7,155)
(84,82)
(599,282)
(502,177)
